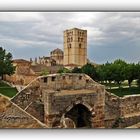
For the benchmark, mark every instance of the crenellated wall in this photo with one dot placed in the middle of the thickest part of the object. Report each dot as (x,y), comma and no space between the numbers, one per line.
(57,93)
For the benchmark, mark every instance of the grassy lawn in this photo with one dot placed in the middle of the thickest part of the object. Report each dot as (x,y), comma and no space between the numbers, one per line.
(125,91)
(7,90)
(125,83)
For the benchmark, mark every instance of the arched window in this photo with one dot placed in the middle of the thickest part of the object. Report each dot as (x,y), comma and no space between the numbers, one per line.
(80,45)
(68,40)
(69,46)
(78,39)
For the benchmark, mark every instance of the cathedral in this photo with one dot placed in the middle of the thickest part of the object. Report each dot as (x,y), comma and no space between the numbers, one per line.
(74,54)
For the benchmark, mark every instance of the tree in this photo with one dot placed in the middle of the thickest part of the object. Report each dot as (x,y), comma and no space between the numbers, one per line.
(105,73)
(101,72)
(130,73)
(64,70)
(76,70)
(138,74)
(119,69)
(90,70)
(6,66)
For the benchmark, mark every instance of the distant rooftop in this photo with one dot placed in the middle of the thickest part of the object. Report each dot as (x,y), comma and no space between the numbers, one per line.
(75,29)
(20,61)
(57,51)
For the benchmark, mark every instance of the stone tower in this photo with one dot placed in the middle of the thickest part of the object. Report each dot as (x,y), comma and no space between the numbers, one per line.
(75,47)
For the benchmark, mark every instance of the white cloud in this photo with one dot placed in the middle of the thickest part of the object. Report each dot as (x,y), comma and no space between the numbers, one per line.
(45,30)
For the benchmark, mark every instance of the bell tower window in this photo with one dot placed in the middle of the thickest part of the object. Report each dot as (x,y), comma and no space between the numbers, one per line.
(80,45)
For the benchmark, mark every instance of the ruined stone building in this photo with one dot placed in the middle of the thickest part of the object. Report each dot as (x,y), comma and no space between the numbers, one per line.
(68,101)
(23,73)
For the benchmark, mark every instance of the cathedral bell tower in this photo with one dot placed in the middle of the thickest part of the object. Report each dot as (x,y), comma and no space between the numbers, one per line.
(75,47)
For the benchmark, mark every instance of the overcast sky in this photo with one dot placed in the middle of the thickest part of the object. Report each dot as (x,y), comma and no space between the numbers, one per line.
(111,35)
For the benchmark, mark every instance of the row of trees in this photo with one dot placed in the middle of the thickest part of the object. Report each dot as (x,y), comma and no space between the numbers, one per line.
(117,71)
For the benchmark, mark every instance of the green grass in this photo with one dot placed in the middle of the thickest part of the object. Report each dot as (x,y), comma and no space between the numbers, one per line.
(7,90)
(3,85)
(125,91)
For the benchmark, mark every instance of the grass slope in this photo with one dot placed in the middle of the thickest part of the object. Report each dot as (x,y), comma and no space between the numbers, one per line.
(7,90)
(125,91)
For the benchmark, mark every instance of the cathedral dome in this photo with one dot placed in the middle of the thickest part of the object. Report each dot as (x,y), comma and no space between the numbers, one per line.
(57,51)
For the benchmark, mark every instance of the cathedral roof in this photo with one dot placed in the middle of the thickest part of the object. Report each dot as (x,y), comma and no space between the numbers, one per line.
(20,61)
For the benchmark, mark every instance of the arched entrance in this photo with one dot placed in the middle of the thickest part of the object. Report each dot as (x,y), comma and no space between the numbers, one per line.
(80,115)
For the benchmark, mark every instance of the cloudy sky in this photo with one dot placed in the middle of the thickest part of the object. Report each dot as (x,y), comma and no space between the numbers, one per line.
(111,35)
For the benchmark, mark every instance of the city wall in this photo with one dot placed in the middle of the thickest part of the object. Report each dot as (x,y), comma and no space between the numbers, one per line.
(121,112)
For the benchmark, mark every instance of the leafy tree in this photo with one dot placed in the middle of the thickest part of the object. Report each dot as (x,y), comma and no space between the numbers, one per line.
(90,70)
(130,73)
(76,70)
(138,74)
(119,69)
(105,73)
(6,66)
(101,72)
(64,70)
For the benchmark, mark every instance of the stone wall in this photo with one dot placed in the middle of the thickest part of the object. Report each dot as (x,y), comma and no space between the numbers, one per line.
(12,116)
(48,98)
(129,110)
(121,112)
(112,110)
(36,109)
(28,95)
(57,93)
(57,105)
(20,79)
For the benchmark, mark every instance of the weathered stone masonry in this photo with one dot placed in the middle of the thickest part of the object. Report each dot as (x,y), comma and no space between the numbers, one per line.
(121,112)
(12,116)
(61,92)
(75,101)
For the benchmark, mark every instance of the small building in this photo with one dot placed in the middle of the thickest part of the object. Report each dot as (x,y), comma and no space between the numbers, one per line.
(23,73)
(57,55)
(22,66)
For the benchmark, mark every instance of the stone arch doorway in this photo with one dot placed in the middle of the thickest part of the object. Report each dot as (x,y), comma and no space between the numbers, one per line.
(81,116)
